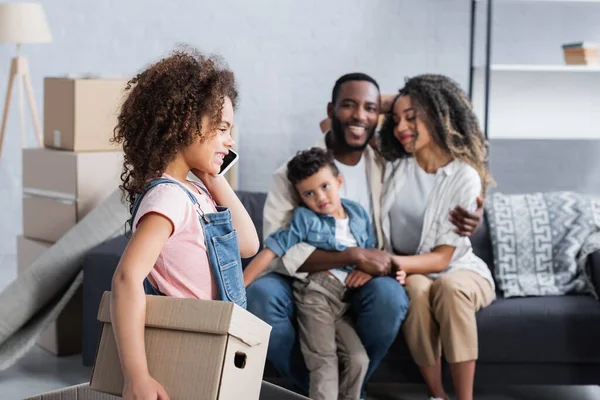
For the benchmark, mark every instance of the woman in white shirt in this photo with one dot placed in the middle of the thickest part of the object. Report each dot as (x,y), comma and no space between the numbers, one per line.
(436,155)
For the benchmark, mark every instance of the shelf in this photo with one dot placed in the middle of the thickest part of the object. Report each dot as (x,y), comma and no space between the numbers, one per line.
(539,101)
(542,68)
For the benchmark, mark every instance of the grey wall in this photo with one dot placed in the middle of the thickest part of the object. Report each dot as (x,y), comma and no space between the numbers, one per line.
(286,55)
(525,166)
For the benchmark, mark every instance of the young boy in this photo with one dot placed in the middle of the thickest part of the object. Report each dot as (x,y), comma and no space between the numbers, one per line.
(330,223)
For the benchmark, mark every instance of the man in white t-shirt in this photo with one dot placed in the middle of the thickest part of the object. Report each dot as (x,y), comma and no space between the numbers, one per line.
(378,307)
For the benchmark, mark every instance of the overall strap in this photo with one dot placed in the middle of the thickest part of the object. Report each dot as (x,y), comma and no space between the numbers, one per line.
(155,182)
(201,186)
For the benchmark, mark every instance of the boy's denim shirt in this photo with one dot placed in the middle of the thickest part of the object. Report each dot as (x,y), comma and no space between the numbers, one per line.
(319,230)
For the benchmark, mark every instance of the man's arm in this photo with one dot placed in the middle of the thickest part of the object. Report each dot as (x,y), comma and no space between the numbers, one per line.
(467,222)
(321,260)
(372,261)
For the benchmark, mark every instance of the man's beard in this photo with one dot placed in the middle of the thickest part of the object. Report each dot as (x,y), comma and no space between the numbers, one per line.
(338,134)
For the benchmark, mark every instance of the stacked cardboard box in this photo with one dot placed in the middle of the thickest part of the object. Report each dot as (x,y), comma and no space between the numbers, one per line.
(75,171)
(581,53)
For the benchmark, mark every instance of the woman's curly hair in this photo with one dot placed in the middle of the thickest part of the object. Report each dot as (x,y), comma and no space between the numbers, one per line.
(163,110)
(448,114)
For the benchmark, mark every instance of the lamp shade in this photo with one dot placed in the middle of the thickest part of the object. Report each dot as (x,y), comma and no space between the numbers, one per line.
(23,23)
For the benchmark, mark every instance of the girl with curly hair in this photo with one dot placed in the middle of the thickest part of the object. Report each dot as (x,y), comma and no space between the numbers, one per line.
(437,158)
(176,119)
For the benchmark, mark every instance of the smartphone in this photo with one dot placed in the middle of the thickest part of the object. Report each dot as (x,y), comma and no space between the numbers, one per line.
(229,160)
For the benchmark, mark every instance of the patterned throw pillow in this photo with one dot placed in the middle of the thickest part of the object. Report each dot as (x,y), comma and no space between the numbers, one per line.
(541,242)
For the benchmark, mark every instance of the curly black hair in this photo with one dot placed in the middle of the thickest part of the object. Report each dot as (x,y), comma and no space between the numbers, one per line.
(306,163)
(448,114)
(163,110)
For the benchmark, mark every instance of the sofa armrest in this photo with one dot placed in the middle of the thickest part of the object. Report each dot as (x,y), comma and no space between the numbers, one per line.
(99,265)
(594,269)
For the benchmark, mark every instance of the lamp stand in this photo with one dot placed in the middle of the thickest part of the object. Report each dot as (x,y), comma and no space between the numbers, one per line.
(19,69)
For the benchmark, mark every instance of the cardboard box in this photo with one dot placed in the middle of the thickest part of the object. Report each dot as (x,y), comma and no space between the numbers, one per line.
(196,349)
(47,219)
(63,336)
(77,392)
(72,175)
(81,114)
(83,392)
(29,250)
(61,187)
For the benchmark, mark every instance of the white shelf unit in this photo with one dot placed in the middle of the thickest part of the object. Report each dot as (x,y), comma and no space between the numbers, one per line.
(535,101)
(540,102)
(544,68)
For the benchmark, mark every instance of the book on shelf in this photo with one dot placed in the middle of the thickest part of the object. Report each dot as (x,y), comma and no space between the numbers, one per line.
(586,52)
(580,45)
(582,60)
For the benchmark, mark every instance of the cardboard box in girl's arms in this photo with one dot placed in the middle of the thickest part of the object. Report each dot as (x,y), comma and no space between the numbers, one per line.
(197,349)
(78,392)
(83,392)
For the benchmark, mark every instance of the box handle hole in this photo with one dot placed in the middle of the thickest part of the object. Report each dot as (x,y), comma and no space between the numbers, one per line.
(239,360)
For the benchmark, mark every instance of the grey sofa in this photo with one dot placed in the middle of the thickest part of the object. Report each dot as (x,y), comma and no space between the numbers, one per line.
(536,340)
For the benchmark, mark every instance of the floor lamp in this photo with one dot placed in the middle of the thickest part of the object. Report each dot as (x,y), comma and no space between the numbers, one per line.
(22,23)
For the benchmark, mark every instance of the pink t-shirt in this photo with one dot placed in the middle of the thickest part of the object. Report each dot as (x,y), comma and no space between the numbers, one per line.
(182,269)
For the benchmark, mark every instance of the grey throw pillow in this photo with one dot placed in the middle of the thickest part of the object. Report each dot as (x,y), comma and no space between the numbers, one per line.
(541,242)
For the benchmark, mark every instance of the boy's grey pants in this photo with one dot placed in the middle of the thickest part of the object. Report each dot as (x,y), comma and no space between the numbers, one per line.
(326,333)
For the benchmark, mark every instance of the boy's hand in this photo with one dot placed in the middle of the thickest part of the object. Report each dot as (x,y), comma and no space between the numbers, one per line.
(357,278)
(146,388)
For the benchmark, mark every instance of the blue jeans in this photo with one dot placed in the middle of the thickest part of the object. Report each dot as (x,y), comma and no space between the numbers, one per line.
(378,308)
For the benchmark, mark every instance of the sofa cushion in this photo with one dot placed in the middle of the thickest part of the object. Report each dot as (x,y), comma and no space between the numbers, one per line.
(558,329)
(539,241)
(553,329)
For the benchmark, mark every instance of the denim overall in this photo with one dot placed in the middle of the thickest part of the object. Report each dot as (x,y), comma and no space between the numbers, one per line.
(221,246)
